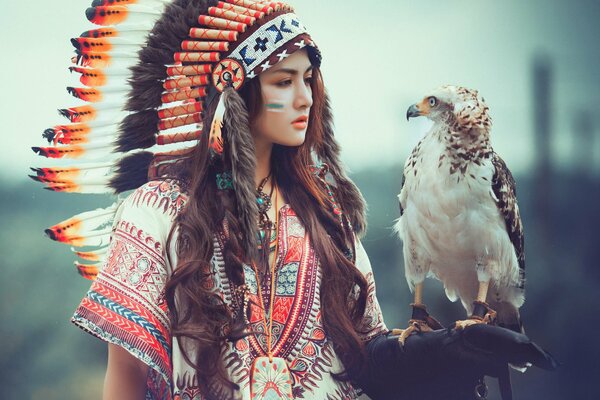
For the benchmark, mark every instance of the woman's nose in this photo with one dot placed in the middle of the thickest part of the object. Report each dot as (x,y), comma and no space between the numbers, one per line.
(303,95)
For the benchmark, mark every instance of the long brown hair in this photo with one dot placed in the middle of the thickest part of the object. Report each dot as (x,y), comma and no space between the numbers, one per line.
(199,317)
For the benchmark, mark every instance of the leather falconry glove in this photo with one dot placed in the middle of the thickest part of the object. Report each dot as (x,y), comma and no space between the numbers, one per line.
(447,364)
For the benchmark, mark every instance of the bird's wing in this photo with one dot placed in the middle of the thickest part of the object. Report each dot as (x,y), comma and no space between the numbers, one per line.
(505,195)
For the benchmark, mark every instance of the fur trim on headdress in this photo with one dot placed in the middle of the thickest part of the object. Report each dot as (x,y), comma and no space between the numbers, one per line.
(242,161)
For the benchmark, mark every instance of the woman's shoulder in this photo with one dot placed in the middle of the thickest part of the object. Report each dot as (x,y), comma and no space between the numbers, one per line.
(162,196)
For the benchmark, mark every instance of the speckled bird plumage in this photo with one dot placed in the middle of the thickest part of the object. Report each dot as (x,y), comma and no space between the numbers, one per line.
(459,219)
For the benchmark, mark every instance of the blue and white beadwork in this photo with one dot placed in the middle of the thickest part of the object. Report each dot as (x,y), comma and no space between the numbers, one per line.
(257,48)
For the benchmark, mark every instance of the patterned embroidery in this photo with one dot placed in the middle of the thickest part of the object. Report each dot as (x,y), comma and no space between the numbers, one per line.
(162,194)
(125,305)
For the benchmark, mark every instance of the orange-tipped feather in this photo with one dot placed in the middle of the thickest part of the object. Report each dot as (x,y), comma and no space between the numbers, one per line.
(79,114)
(100,33)
(108,112)
(88,271)
(104,60)
(96,255)
(54,174)
(89,224)
(59,152)
(104,45)
(54,135)
(91,77)
(87,94)
(75,151)
(113,15)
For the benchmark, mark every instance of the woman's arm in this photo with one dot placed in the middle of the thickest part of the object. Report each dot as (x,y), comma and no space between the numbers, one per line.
(125,375)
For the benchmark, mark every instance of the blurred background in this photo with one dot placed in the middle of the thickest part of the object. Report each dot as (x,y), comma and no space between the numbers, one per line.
(535,62)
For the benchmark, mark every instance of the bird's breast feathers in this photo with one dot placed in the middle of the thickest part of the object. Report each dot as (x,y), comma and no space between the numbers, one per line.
(451,215)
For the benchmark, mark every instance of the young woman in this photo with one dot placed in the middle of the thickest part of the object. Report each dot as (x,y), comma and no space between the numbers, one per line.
(238,272)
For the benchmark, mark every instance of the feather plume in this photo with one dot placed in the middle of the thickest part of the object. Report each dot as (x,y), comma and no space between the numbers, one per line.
(165,39)
(74,133)
(93,151)
(113,15)
(98,3)
(105,45)
(93,255)
(131,171)
(138,131)
(74,173)
(95,95)
(85,229)
(102,111)
(88,271)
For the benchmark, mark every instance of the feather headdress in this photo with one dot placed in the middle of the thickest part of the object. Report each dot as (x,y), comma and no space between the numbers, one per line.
(148,72)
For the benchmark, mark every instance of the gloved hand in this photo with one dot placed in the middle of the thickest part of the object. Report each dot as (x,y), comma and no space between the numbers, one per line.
(446,364)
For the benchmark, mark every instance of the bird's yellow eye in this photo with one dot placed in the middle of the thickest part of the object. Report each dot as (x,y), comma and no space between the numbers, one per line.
(432,101)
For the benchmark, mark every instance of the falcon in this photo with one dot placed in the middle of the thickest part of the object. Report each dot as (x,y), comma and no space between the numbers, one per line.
(459,219)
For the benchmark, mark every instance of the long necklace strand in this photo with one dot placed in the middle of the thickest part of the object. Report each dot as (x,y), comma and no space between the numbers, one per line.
(269,328)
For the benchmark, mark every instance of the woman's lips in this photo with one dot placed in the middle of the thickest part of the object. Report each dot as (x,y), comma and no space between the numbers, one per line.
(301,122)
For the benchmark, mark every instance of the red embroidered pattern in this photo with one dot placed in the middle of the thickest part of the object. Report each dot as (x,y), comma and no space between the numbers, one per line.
(125,304)
(162,194)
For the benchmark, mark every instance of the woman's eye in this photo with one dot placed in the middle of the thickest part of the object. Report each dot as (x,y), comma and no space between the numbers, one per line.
(287,82)
(432,101)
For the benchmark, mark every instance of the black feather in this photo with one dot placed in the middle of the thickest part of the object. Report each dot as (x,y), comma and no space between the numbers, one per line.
(131,171)
(163,41)
(137,131)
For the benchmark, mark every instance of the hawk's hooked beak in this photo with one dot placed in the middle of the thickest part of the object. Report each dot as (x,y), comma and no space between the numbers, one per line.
(418,109)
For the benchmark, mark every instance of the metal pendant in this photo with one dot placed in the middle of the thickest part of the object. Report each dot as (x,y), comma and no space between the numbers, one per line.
(270,380)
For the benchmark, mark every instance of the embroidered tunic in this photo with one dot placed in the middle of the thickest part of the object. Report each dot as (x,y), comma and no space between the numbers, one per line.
(126,304)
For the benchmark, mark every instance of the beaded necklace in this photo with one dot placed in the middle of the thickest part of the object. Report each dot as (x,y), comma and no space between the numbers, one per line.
(270,376)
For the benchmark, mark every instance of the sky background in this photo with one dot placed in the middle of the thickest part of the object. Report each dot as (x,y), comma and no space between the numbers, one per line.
(379,58)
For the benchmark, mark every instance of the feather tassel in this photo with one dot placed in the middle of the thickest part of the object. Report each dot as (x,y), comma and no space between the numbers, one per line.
(215,139)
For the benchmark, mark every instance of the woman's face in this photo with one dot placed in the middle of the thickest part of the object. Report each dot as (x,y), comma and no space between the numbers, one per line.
(287,98)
